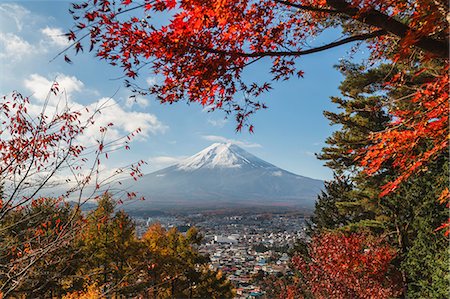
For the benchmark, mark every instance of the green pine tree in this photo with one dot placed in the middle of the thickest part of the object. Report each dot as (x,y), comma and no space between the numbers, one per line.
(110,248)
(408,216)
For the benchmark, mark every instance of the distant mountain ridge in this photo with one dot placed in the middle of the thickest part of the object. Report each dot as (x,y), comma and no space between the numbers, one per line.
(224,175)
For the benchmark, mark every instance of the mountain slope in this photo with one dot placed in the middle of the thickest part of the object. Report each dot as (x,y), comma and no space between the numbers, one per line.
(225,175)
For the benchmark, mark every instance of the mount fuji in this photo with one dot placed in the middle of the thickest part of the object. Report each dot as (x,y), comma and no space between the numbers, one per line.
(224,175)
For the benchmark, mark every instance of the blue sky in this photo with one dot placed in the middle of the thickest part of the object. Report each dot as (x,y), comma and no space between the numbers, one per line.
(287,134)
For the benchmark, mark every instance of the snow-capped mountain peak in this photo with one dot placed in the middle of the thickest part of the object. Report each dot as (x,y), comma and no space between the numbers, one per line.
(221,155)
(224,175)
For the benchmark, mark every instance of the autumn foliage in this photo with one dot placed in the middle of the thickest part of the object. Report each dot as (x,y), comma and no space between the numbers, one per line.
(92,292)
(99,255)
(348,266)
(41,148)
(424,125)
(32,147)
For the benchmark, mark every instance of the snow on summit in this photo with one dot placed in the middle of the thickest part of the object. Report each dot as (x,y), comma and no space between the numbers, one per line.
(221,155)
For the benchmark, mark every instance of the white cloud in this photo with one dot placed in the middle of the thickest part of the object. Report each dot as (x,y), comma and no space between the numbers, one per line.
(140,101)
(40,87)
(164,161)
(217,122)
(15,12)
(56,36)
(215,138)
(13,47)
(124,122)
(277,173)
(151,81)
(208,108)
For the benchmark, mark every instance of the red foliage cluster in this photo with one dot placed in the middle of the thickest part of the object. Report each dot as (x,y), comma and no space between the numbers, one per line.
(33,147)
(444,199)
(39,145)
(416,136)
(32,139)
(349,266)
(423,126)
(205,46)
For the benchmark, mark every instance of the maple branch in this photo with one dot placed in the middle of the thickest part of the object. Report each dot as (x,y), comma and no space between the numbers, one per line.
(307,7)
(344,41)
(391,25)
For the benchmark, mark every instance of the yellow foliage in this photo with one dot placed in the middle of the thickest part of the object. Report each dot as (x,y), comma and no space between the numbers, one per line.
(92,292)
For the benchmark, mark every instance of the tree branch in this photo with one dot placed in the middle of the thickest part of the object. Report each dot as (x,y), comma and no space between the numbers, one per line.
(294,53)
(307,7)
(391,25)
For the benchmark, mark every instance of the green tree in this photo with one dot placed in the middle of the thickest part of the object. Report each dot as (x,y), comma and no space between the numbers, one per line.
(176,269)
(211,284)
(425,253)
(327,214)
(362,112)
(110,248)
(400,216)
